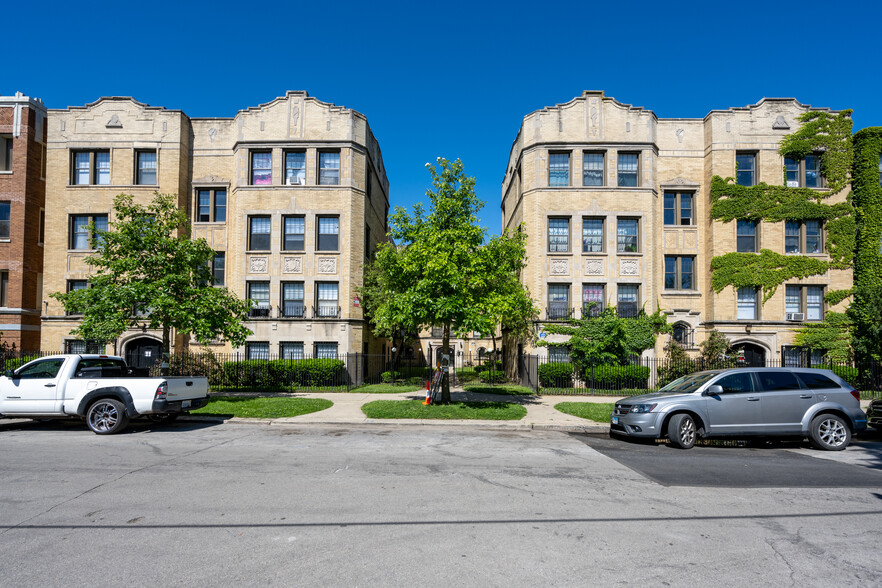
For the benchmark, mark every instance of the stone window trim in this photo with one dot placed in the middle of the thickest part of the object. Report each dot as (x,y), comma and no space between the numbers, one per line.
(807,299)
(593,242)
(747,236)
(559,168)
(210,203)
(746,168)
(804,237)
(681,205)
(260,167)
(804,173)
(558,234)
(626,242)
(146,167)
(628,169)
(90,167)
(259,232)
(78,233)
(590,168)
(6,221)
(679,273)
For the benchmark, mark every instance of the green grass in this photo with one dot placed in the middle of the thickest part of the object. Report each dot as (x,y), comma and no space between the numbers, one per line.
(280,388)
(262,408)
(509,389)
(594,392)
(593,411)
(414,409)
(388,388)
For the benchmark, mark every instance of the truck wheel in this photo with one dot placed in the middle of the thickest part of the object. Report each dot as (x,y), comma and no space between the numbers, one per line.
(830,432)
(681,431)
(107,416)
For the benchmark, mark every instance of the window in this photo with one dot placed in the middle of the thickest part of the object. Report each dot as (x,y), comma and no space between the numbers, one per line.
(628,305)
(42,235)
(258,233)
(747,303)
(291,350)
(292,300)
(558,301)
(592,169)
(679,273)
(592,235)
(325,351)
(558,169)
(5,219)
(795,356)
(805,299)
(4,288)
(329,168)
(295,168)
(626,235)
(804,173)
(683,334)
(745,236)
(328,233)
(817,381)
(745,169)
(261,168)
(259,295)
(257,350)
(628,169)
(326,301)
(592,299)
(367,242)
(5,153)
(678,208)
(734,383)
(770,381)
(72,286)
(211,206)
(803,237)
(558,234)
(218,267)
(91,168)
(294,236)
(79,346)
(558,354)
(146,168)
(81,234)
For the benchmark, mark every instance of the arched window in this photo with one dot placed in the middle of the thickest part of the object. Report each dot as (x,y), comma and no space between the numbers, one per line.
(682,334)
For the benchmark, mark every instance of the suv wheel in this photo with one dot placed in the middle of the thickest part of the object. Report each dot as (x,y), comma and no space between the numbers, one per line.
(107,416)
(830,432)
(681,431)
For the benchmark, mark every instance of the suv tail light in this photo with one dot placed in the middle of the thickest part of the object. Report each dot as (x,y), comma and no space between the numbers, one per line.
(162,391)
(856,394)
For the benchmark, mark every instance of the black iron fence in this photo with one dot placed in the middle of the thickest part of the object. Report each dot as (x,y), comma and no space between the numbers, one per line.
(644,375)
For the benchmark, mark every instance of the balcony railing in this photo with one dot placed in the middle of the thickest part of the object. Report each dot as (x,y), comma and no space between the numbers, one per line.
(292,310)
(327,311)
(259,311)
(628,309)
(559,311)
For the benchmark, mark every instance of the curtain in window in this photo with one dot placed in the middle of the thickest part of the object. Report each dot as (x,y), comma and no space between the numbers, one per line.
(558,234)
(627,169)
(102,168)
(592,235)
(261,168)
(329,168)
(291,350)
(147,168)
(592,169)
(558,169)
(81,163)
(791,237)
(295,168)
(814,303)
(747,303)
(627,235)
(793,299)
(326,350)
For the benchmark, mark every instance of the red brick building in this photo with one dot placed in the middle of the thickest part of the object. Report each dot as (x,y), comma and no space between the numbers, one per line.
(22,214)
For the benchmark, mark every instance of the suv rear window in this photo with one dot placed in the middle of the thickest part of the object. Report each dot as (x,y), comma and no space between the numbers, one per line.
(817,381)
(771,381)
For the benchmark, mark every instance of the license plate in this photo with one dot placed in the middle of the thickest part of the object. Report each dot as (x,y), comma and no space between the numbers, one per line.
(615,420)
(185,404)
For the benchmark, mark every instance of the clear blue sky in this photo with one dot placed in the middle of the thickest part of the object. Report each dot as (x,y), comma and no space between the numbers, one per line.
(451,79)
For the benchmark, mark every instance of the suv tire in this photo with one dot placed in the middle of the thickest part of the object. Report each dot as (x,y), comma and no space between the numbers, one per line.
(830,432)
(682,431)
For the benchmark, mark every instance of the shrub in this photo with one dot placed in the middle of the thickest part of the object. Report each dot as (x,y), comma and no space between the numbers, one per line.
(386,377)
(483,367)
(416,381)
(556,375)
(283,374)
(847,373)
(617,377)
(14,364)
(492,376)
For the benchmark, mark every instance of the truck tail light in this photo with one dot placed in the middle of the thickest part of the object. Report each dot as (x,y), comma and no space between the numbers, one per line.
(162,391)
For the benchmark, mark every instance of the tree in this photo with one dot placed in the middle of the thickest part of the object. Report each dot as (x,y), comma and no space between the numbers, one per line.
(146,261)
(440,273)
(716,351)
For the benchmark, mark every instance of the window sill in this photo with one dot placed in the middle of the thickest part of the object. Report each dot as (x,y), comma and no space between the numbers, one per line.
(293,251)
(562,253)
(629,253)
(5,240)
(209,222)
(6,172)
(258,251)
(680,226)
(322,252)
(595,253)
(75,186)
(82,250)
(688,293)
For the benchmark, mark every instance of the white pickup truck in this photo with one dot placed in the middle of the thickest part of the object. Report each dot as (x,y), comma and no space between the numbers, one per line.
(99,388)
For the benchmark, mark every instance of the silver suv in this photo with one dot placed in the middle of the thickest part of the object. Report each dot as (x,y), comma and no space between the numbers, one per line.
(811,403)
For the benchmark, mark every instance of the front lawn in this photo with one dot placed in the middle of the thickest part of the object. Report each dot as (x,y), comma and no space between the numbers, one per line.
(593,411)
(508,389)
(415,409)
(388,388)
(261,408)
(593,392)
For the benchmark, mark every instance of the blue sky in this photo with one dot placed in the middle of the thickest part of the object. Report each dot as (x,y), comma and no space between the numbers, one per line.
(451,79)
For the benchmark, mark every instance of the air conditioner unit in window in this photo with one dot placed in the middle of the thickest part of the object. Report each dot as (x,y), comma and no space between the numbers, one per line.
(796,316)
(293,181)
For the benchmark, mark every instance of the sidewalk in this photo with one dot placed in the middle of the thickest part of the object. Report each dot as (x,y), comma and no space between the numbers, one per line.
(346,410)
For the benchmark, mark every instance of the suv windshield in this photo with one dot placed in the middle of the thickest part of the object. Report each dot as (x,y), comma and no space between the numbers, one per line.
(689,383)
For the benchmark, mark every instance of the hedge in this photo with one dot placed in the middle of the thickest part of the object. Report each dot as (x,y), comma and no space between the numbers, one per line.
(284,373)
(556,375)
(493,376)
(617,377)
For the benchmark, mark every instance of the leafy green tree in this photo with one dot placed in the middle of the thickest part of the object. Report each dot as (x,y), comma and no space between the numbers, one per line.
(716,351)
(677,364)
(440,273)
(146,261)
(867,332)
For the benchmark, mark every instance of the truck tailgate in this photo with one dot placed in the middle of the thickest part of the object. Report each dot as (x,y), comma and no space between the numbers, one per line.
(186,388)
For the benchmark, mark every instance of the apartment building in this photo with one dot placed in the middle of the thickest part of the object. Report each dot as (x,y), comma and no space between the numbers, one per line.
(616,204)
(22,208)
(291,194)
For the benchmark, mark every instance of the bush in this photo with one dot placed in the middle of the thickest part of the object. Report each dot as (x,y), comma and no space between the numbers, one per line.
(281,374)
(556,375)
(847,373)
(415,381)
(617,377)
(492,376)
(483,367)
(14,364)
(386,377)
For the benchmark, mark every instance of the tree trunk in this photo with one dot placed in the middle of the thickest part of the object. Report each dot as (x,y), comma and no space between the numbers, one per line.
(445,377)
(166,350)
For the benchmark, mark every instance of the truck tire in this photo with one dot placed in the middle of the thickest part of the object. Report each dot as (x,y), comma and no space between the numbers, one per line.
(107,416)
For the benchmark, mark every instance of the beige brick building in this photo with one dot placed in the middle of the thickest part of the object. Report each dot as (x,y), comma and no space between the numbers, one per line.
(616,204)
(291,194)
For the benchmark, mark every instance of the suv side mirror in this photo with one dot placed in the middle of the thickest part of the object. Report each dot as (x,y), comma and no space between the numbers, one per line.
(713,390)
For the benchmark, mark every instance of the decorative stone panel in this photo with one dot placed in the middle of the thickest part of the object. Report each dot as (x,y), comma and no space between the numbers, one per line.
(594,266)
(629,267)
(258,265)
(326,265)
(690,240)
(671,240)
(292,265)
(559,267)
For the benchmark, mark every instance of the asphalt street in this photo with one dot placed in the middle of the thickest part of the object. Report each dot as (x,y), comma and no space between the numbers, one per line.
(228,505)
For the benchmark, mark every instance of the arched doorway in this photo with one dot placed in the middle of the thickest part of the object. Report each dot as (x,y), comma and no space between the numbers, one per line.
(143,352)
(753,355)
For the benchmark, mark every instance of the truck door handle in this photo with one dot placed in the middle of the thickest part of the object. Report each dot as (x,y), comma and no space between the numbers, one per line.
(752,398)
(805,395)
(49,385)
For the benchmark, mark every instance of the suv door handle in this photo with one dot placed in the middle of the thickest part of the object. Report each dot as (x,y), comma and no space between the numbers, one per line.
(805,395)
(49,385)
(752,398)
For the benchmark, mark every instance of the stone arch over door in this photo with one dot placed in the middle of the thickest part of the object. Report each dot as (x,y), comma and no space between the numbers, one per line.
(142,352)
(755,355)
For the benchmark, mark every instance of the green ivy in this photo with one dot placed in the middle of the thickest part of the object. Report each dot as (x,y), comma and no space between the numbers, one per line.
(820,131)
(833,336)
